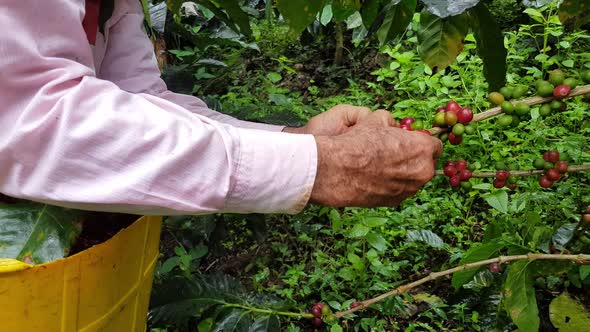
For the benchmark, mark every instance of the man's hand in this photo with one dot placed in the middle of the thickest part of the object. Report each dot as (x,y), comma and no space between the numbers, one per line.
(334,121)
(373,164)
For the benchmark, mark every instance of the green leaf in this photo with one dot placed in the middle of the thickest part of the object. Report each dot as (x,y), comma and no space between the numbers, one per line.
(377,241)
(233,320)
(265,324)
(274,77)
(356,261)
(519,297)
(326,15)
(359,230)
(375,221)
(567,314)
(342,9)
(446,8)
(440,40)
(37,233)
(425,236)
(563,235)
(476,254)
(498,200)
(336,328)
(396,19)
(299,14)
(584,272)
(237,15)
(490,47)
(369,12)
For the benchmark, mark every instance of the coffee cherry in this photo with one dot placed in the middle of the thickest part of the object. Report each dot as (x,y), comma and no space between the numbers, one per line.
(545,90)
(539,163)
(326,310)
(553,175)
(553,156)
(495,268)
(439,118)
(496,98)
(406,127)
(450,171)
(587,210)
(442,109)
(458,129)
(571,82)
(455,140)
(519,91)
(539,83)
(586,218)
(502,175)
(444,137)
(407,121)
(466,185)
(548,166)
(465,115)
(450,163)
(511,186)
(465,175)
(354,305)
(511,179)
(455,181)
(424,131)
(556,77)
(506,92)
(316,311)
(469,129)
(561,91)
(319,305)
(557,105)
(505,120)
(585,76)
(450,118)
(417,125)
(561,166)
(545,110)
(316,322)
(522,109)
(461,165)
(545,182)
(499,184)
(507,107)
(452,106)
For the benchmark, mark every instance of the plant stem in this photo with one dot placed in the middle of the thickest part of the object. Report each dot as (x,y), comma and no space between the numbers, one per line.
(338,53)
(571,169)
(581,259)
(579,91)
(270,312)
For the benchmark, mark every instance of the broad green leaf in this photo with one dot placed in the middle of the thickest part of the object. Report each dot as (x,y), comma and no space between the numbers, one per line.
(519,297)
(274,77)
(234,320)
(490,47)
(377,241)
(440,40)
(396,19)
(237,15)
(369,11)
(342,9)
(476,254)
(326,15)
(567,314)
(584,272)
(356,261)
(446,8)
(37,233)
(265,324)
(375,221)
(563,235)
(336,328)
(534,14)
(335,219)
(299,14)
(359,230)
(425,236)
(498,200)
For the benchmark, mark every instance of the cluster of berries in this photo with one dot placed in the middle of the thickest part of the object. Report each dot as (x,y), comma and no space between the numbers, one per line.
(459,172)
(319,310)
(553,166)
(411,124)
(456,118)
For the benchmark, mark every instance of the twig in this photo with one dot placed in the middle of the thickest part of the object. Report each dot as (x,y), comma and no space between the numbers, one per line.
(571,169)
(580,259)
(579,91)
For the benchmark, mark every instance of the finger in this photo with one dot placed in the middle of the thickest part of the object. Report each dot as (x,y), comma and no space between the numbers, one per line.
(438,148)
(355,113)
(384,118)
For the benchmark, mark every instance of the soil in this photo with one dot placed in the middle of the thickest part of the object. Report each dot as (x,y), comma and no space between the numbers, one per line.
(99,227)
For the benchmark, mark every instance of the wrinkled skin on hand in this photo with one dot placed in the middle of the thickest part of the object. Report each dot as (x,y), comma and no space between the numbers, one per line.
(334,121)
(373,164)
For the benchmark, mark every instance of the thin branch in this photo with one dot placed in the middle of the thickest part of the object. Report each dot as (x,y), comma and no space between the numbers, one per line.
(579,259)
(571,169)
(532,101)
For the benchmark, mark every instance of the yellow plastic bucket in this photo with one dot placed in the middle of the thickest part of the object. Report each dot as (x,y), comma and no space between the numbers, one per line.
(103,288)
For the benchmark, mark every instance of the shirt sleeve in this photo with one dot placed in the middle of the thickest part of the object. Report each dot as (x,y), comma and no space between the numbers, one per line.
(73,140)
(131,64)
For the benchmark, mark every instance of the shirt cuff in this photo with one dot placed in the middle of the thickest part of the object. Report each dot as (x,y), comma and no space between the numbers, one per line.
(275,172)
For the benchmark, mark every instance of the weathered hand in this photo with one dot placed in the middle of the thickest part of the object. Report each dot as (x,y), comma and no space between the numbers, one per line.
(334,121)
(373,164)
